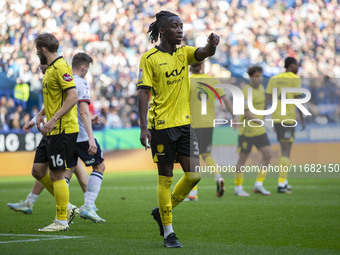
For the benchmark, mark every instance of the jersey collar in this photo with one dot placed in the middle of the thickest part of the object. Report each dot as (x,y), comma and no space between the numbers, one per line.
(160,49)
(55,60)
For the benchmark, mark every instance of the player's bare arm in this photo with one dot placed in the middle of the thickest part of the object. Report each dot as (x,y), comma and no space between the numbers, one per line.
(70,101)
(268,100)
(227,104)
(250,116)
(143,103)
(209,49)
(303,123)
(229,108)
(86,119)
(302,118)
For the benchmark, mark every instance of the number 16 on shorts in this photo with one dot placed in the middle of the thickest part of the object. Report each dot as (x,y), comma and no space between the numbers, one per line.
(57,161)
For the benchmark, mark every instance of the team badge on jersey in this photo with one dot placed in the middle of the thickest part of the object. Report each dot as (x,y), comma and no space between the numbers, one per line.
(160,148)
(67,77)
(181,57)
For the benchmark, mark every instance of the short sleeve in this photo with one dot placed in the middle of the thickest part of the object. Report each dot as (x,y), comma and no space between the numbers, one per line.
(145,73)
(190,53)
(84,94)
(65,77)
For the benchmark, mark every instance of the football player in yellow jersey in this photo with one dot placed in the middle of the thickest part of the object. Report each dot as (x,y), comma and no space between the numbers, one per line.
(163,73)
(27,205)
(285,134)
(87,148)
(203,124)
(253,135)
(61,129)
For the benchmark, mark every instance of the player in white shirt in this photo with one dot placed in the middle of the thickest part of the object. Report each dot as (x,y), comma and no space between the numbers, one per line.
(87,148)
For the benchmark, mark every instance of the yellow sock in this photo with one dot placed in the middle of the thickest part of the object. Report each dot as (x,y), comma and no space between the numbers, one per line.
(261,175)
(194,188)
(210,161)
(46,181)
(164,198)
(284,161)
(184,186)
(61,195)
(238,178)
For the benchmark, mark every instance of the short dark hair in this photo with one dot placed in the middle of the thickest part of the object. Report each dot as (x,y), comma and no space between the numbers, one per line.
(161,19)
(254,69)
(289,61)
(48,41)
(80,59)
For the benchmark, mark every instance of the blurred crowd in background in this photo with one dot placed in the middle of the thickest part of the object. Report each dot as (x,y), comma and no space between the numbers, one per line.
(114,34)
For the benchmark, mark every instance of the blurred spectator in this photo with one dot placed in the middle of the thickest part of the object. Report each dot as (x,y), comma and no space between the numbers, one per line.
(114,33)
(112,119)
(134,119)
(3,101)
(25,118)
(10,106)
(25,74)
(3,64)
(15,118)
(325,98)
(21,93)
(3,118)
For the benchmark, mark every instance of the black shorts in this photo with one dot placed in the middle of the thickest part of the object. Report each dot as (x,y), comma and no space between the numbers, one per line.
(167,144)
(285,134)
(82,152)
(204,139)
(57,150)
(246,143)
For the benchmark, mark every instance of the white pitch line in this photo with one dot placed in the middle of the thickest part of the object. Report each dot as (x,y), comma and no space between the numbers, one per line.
(46,238)
(35,235)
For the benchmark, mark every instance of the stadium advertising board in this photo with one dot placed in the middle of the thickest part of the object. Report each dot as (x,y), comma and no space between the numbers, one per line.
(12,142)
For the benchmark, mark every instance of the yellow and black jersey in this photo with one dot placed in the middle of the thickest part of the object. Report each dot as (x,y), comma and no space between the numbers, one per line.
(168,78)
(58,78)
(284,80)
(258,99)
(198,86)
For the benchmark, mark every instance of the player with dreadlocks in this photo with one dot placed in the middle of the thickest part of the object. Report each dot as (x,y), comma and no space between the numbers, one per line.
(163,72)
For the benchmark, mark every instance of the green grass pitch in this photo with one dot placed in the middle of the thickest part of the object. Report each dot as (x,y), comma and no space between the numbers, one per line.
(305,222)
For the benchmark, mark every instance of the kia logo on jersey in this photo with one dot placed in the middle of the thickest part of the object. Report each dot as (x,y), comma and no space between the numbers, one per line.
(67,77)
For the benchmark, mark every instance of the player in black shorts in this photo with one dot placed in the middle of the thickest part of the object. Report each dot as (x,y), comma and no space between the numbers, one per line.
(27,205)
(200,84)
(253,135)
(163,73)
(286,133)
(60,130)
